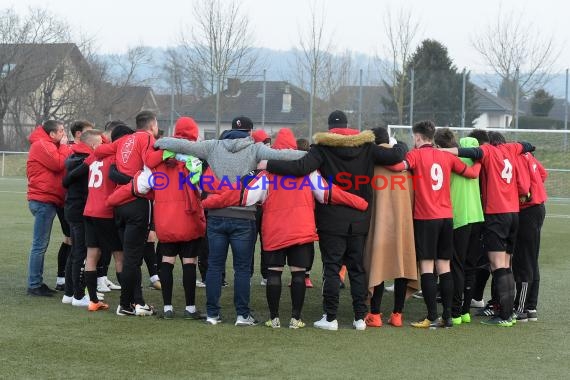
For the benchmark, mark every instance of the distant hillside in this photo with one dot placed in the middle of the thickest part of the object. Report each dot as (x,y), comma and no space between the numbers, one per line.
(281,65)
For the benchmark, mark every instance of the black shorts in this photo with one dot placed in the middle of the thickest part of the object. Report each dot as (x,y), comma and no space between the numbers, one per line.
(64,225)
(434,239)
(294,256)
(186,249)
(102,233)
(500,232)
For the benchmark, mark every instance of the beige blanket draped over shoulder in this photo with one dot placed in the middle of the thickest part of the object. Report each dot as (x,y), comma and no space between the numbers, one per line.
(390,251)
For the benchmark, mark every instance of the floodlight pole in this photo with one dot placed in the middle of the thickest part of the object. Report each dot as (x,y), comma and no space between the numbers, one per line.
(263,100)
(566,114)
(311,95)
(218,106)
(412,97)
(360,103)
(516,99)
(171,124)
(463,100)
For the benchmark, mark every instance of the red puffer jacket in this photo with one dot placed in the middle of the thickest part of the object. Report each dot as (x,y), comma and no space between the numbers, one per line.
(45,168)
(178,212)
(288,216)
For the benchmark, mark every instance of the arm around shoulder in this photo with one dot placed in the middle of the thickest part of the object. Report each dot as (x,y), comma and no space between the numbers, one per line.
(265,153)
(198,149)
(388,156)
(305,165)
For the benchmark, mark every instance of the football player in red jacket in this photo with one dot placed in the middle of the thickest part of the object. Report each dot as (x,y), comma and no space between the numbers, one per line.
(288,225)
(531,217)
(499,191)
(45,168)
(433,218)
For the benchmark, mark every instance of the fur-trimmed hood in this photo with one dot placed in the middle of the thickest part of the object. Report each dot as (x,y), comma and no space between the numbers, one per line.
(343,141)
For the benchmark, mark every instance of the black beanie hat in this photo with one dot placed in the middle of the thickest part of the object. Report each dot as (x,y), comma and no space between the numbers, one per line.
(242,122)
(120,131)
(381,135)
(337,119)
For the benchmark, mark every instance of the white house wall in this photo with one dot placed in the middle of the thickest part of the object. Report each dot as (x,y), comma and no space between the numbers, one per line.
(492,120)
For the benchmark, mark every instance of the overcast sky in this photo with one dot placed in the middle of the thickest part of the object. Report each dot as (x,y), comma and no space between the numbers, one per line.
(354,24)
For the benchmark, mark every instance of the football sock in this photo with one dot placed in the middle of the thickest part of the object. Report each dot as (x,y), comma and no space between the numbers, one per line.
(297,293)
(273,292)
(494,295)
(501,277)
(189,283)
(100,271)
(429,291)
(167,282)
(376,299)
(512,290)
(91,282)
(446,286)
(480,282)
(150,259)
(400,287)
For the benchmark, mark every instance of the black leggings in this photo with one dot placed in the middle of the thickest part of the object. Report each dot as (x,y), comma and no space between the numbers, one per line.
(400,285)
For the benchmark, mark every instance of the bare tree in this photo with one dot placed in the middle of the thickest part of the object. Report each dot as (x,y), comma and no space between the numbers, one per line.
(112,79)
(313,55)
(18,69)
(218,44)
(517,46)
(64,94)
(180,79)
(173,73)
(401,30)
(337,71)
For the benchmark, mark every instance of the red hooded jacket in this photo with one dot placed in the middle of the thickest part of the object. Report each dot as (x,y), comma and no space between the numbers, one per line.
(288,215)
(178,212)
(45,168)
(532,171)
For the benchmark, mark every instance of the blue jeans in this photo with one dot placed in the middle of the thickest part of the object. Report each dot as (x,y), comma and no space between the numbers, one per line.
(241,235)
(43,213)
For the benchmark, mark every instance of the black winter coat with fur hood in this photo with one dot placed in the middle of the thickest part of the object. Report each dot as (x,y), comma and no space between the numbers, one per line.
(347,160)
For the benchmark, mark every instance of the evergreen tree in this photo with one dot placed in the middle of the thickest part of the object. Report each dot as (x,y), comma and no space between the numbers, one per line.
(437,88)
(541,103)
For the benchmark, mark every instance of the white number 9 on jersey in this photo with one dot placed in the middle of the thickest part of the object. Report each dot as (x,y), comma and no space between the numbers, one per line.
(507,173)
(436,176)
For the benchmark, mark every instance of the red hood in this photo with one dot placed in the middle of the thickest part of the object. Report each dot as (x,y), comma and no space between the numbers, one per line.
(259,135)
(38,134)
(186,128)
(285,139)
(82,148)
(344,131)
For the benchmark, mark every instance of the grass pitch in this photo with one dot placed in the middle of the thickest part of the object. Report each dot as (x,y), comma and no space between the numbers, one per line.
(42,338)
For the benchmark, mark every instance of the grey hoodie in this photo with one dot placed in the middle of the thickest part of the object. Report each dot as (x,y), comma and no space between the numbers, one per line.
(229,158)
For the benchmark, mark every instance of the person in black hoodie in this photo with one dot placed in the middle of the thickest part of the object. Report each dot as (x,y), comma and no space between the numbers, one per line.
(346,157)
(76,181)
